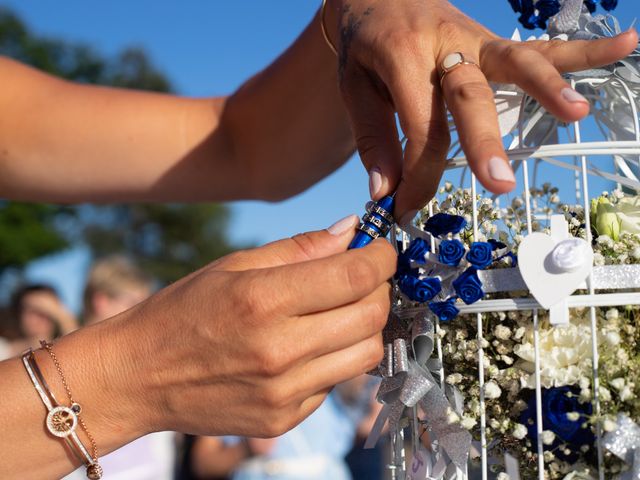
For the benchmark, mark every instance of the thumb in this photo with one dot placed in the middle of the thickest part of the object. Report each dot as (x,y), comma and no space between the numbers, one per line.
(373,123)
(299,248)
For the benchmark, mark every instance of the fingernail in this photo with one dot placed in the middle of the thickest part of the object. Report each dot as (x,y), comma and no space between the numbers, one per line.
(571,96)
(499,169)
(375,182)
(407,218)
(341,226)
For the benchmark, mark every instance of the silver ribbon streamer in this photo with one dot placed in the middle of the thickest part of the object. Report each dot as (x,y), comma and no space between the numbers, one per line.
(407,382)
(624,442)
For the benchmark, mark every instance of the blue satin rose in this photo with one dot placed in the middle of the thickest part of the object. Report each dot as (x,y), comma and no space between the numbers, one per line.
(416,252)
(480,254)
(515,4)
(446,310)
(417,249)
(556,404)
(450,252)
(419,290)
(468,286)
(609,5)
(442,223)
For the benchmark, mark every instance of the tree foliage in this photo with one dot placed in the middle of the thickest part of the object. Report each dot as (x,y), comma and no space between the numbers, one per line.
(168,240)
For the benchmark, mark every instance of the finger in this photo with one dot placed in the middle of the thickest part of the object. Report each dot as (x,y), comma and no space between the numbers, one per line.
(540,79)
(424,123)
(576,55)
(299,248)
(340,328)
(471,103)
(326,283)
(374,128)
(340,366)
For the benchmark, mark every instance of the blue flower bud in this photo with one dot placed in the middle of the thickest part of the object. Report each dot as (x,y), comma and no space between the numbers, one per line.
(450,252)
(468,286)
(445,311)
(609,5)
(480,255)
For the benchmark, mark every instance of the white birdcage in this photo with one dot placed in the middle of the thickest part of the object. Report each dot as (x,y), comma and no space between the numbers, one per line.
(425,363)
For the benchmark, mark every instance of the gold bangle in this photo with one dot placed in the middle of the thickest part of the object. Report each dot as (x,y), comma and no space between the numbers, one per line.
(323,8)
(94,470)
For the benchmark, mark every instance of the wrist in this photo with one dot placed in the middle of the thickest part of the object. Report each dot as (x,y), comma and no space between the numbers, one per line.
(100,367)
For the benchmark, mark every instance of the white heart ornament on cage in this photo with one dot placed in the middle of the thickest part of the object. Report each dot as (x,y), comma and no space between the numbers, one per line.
(551,269)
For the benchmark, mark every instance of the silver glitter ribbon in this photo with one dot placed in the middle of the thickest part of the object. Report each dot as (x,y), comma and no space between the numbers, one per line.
(624,443)
(408,381)
(604,277)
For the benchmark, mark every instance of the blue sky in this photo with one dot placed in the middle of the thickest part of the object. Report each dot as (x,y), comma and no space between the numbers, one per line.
(209,47)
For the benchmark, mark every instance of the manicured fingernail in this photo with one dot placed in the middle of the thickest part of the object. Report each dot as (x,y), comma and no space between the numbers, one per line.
(407,218)
(375,182)
(499,169)
(571,96)
(341,226)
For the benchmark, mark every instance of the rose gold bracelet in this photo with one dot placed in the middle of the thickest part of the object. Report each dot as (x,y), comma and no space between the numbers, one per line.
(323,8)
(62,421)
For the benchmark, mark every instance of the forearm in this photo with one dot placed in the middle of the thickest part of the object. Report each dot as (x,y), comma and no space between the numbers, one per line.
(98,372)
(282,131)
(64,142)
(288,123)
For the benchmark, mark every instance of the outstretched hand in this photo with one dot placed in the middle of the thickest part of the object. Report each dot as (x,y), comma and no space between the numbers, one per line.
(390,56)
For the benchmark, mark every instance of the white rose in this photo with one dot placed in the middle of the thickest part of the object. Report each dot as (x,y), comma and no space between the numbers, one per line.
(492,390)
(628,212)
(519,431)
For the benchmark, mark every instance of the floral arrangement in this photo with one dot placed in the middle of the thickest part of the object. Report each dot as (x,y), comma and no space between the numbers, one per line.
(566,359)
(536,13)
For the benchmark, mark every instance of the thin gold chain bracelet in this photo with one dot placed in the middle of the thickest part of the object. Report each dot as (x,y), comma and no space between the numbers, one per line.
(94,471)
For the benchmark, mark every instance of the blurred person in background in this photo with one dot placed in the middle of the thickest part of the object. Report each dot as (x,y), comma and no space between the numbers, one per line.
(314,450)
(39,314)
(116,284)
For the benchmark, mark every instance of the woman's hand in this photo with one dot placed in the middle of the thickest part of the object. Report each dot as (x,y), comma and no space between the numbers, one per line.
(252,344)
(390,56)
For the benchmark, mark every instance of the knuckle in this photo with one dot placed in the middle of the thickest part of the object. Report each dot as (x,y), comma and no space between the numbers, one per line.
(361,275)
(471,91)
(395,41)
(378,311)
(305,243)
(273,362)
(275,398)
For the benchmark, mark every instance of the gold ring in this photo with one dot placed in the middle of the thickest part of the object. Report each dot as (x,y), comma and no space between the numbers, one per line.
(453,61)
